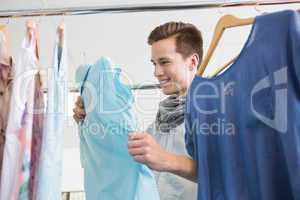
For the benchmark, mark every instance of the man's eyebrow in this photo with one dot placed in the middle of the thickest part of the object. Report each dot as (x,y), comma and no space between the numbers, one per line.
(160,59)
(163,58)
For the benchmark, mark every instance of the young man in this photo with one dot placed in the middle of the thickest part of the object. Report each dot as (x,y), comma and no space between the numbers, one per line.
(176,54)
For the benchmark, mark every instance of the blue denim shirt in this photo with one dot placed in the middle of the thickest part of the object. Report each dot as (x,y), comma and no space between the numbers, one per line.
(243,127)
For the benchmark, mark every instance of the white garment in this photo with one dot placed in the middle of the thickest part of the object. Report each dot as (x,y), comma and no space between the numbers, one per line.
(22,98)
(170,186)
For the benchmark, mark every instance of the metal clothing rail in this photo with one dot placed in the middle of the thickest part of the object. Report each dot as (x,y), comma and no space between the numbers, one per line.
(137,8)
(133,87)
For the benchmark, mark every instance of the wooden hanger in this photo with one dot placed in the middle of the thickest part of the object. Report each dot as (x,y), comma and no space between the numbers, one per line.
(219,70)
(2,27)
(227,21)
(7,58)
(32,32)
(61,34)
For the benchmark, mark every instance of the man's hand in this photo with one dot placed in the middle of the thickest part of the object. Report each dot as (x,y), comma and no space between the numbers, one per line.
(146,150)
(79,113)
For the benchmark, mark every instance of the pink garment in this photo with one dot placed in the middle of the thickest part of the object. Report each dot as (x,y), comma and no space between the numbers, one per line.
(5,95)
(22,142)
(37,136)
(30,140)
(24,129)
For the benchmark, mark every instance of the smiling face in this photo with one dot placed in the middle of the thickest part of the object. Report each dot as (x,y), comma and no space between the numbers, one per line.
(174,72)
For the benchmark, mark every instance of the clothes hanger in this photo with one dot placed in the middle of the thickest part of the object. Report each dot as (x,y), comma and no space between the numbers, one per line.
(2,27)
(227,21)
(218,71)
(7,58)
(225,66)
(61,33)
(32,32)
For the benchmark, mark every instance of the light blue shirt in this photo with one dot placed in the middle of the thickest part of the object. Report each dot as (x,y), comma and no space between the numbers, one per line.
(50,174)
(110,173)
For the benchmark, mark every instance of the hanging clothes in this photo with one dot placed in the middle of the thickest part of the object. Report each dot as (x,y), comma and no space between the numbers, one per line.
(6,74)
(17,171)
(51,160)
(110,173)
(37,137)
(242,127)
(5,95)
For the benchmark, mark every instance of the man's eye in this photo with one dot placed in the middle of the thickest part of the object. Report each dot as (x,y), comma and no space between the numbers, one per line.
(164,62)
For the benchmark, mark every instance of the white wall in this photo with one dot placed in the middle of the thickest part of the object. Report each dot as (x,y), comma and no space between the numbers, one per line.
(122,37)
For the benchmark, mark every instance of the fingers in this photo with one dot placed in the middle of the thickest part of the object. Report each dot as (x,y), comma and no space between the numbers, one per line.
(140,159)
(79,111)
(76,119)
(137,136)
(137,151)
(139,146)
(78,98)
(79,102)
(135,143)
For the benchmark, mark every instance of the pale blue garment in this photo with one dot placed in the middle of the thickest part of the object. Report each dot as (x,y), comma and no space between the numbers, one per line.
(50,175)
(110,173)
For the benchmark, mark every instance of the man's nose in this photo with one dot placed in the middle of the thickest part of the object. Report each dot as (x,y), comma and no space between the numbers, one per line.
(158,71)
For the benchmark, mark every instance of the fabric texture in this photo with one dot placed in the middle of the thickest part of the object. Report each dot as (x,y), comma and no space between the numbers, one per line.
(242,127)
(110,172)
(50,172)
(37,137)
(6,76)
(6,82)
(17,170)
(170,113)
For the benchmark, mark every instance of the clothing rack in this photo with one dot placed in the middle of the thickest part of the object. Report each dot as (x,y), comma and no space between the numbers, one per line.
(136,8)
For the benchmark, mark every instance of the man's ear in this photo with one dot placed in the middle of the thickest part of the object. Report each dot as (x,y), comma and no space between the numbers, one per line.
(194,61)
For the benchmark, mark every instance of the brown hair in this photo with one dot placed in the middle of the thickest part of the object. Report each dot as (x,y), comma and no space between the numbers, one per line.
(188,38)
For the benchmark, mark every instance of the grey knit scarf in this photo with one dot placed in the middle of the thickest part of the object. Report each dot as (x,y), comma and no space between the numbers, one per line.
(170,113)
